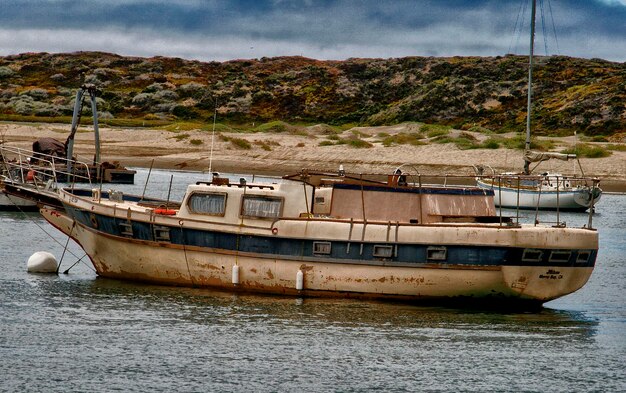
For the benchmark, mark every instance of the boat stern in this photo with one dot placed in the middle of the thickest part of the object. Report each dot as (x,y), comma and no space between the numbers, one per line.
(545,283)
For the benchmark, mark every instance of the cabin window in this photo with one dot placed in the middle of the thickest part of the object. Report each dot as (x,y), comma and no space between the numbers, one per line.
(321,248)
(436,253)
(126,229)
(161,233)
(531,255)
(319,200)
(583,257)
(205,203)
(560,256)
(261,206)
(383,251)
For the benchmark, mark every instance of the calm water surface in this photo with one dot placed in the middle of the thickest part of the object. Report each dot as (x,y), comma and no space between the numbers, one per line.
(77,332)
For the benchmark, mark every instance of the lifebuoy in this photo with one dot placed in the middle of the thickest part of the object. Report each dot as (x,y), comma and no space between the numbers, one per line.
(164,211)
(274,230)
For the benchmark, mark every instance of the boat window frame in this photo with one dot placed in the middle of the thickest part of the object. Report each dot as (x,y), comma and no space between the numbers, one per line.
(583,252)
(126,228)
(388,251)
(161,233)
(261,196)
(528,258)
(319,248)
(225,203)
(559,260)
(432,256)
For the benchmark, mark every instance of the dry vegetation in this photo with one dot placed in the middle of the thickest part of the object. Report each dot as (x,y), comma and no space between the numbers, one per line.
(274,94)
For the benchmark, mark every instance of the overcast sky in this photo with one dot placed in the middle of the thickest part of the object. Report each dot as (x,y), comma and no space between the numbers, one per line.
(323,29)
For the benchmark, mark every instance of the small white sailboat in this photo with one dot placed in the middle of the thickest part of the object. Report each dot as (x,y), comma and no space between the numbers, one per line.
(547,191)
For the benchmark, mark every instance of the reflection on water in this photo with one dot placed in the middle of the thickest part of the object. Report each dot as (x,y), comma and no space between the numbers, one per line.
(273,343)
(196,305)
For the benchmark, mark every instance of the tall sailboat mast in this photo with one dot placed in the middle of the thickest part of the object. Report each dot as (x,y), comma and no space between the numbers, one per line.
(530,82)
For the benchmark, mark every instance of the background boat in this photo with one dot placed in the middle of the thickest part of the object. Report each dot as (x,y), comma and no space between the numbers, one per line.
(546,191)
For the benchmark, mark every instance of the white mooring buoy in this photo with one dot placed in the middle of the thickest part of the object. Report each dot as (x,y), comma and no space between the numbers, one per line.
(42,262)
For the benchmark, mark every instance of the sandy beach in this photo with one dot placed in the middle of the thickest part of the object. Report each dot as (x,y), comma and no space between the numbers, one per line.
(281,153)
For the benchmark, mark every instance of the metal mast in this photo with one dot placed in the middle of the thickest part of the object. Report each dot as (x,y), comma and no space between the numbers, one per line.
(530,83)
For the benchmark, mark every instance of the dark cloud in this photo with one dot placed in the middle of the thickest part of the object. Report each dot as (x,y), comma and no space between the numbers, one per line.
(321,29)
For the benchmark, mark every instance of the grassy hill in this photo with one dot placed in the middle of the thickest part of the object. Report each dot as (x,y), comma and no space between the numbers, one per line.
(470,93)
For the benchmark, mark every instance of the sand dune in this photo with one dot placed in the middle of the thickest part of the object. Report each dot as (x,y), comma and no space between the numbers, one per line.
(291,153)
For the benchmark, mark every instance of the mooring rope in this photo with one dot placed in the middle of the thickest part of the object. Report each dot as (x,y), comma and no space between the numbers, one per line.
(182,236)
(53,239)
(69,236)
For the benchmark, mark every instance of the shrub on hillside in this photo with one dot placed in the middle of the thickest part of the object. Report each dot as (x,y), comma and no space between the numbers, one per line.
(6,72)
(36,93)
(192,89)
(185,112)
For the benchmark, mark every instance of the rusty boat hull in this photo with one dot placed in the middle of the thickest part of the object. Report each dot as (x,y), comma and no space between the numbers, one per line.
(487,263)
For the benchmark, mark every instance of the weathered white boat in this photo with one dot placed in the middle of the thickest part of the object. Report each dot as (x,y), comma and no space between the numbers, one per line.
(549,191)
(31,178)
(323,235)
(12,202)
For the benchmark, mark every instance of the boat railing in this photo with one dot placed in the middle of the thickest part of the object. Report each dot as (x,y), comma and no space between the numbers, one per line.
(489,179)
(552,183)
(39,170)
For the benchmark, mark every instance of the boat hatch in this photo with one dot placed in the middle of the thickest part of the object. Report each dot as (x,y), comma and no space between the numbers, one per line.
(436,253)
(383,251)
(321,248)
(532,255)
(560,256)
(213,203)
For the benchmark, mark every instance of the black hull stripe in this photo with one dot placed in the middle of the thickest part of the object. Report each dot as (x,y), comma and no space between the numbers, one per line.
(341,251)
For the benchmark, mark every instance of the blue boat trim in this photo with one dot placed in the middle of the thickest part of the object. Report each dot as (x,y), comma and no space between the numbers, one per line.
(341,251)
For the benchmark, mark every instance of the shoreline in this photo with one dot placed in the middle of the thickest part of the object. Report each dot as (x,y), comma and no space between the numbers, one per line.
(284,153)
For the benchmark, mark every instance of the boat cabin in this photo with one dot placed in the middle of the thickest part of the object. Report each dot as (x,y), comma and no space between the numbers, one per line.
(392,201)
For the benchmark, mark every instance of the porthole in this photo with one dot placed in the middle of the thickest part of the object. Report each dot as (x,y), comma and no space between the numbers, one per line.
(532,255)
(583,257)
(434,253)
(126,229)
(560,256)
(383,251)
(321,248)
(161,233)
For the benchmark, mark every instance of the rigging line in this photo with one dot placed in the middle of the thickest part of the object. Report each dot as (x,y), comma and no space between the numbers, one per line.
(543,28)
(69,235)
(182,236)
(519,35)
(75,263)
(517,23)
(52,237)
(556,39)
